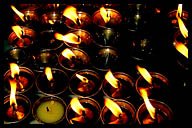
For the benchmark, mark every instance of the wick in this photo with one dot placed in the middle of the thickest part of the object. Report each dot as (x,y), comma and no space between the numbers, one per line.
(119,85)
(78,38)
(78,22)
(47,109)
(83,113)
(14,109)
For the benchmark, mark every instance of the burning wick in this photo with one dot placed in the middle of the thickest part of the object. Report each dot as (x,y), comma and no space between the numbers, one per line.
(49,75)
(84,114)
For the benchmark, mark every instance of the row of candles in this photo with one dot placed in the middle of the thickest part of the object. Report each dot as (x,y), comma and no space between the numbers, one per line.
(83,109)
(117,86)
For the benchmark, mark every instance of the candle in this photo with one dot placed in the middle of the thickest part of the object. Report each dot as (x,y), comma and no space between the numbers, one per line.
(55,85)
(49,109)
(118,85)
(83,111)
(118,112)
(85,83)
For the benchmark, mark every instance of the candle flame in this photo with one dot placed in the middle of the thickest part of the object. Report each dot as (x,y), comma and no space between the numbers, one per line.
(71,13)
(182,49)
(48,73)
(105,14)
(149,106)
(14,69)
(51,22)
(179,10)
(182,28)
(111,79)
(70,38)
(76,106)
(82,78)
(114,107)
(146,75)
(13,85)
(68,53)
(18,31)
(21,15)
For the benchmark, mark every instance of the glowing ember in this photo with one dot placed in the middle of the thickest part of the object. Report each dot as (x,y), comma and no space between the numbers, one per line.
(69,38)
(146,75)
(182,49)
(111,79)
(18,31)
(71,13)
(21,15)
(82,78)
(105,14)
(67,53)
(48,73)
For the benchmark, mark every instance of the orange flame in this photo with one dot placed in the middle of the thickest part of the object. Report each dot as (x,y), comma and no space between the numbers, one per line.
(20,115)
(13,85)
(150,108)
(105,14)
(51,22)
(182,49)
(71,13)
(114,107)
(111,79)
(70,38)
(82,78)
(146,75)
(18,31)
(76,106)
(21,15)
(68,53)
(14,69)
(48,73)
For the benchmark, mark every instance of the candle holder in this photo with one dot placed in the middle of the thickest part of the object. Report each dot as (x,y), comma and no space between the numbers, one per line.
(91,117)
(84,37)
(125,86)
(84,21)
(45,58)
(25,80)
(163,113)
(54,87)
(79,62)
(49,110)
(105,58)
(159,83)
(48,40)
(127,108)
(27,38)
(86,88)
(17,55)
(115,19)
(23,106)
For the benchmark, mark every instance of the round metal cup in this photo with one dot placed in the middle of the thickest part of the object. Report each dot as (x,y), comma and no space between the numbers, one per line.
(51,18)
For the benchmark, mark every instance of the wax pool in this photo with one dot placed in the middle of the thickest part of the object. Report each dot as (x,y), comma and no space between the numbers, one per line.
(50,111)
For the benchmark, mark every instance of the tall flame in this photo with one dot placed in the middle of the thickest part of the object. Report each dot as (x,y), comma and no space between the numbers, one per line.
(14,69)
(70,38)
(82,78)
(146,75)
(18,30)
(114,107)
(149,106)
(76,106)
(13,85)
(182,49)
(68,53)
(105,14)
(111,79)
(179,10)
(48,73)
(71,13)
(21,15)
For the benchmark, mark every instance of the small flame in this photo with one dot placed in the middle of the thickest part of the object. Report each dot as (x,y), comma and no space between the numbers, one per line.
(51,22)
(20,115)
(150,108)
(68,53)
(179,10)
(13,85)
(146,75)
(182,49)
(70,38)
(18,31)
(111,79)
(182,28)
(14,69)
(76,106)
(114,107)
(48,73)
(21,15)
(82,78)
(71,13)
(105,14)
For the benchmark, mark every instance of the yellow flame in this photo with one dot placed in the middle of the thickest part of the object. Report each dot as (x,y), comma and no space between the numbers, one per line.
(69,38)
(21,15)
(51,22)
(179,10)
(13,85)
(149,106)
(113,107)
(146,75)
(68,53)
(82,78)
(48,73)
(182,28)
(76,106)
(105,14)
(14,69)
(18,30)
(71,13)
(111,79)
(182,49)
